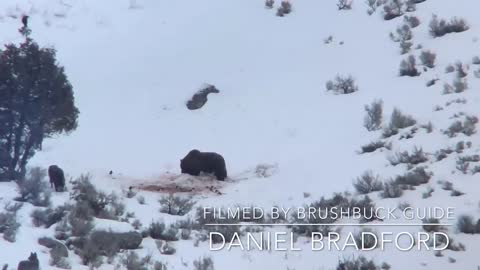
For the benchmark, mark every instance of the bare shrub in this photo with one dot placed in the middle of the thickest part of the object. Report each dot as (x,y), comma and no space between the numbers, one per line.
(373,5)
(131,261)
(412,21)
(463,163)
(408,67)
(476,60)
(368,182)
(428,193)
(403,36)
(416,177)
(398,120)
(205,263)
(284,9)
(374,146)
(359,263)
(430,225)
(9,224)
(344,4)
(460,85)
(393,9)
(176,205)
(391,190)
(467,127)
(165,248)
(374,116)
(440,27)
(465,224)
(416,157)
(461,69)
(449,69)
(269,4)
(342,85)
(49,216)
(33,188)
(141,200)
(100,204)
(428,58)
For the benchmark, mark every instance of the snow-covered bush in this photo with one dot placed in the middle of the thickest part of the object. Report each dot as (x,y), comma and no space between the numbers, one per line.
(408,67)
(33,188)
(416,157)
(466,224)
(156,229)
(344,4)
(50,216)
(412,21)
(204,263)
(284,9)
(440,27)
(374,146)
(108,243)
(9,224)
(428,193)
(374,116)
(131,261)
(391,190)
(467,127)
(429,225)
(373,5)
(269,4)
(463,163)
(462,70)
(141,199)
(393,9)
(342,85)
(403,36)
(442,154)
(368,182)
(476,60)
(403,33)
(165,248)
(359,263)
(99,203)
(449,69)
(398,120)
(176,205)
(58,252)
(416,177)
(428,58)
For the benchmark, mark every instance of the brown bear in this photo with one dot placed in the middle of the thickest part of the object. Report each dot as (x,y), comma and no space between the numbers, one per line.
(208,162)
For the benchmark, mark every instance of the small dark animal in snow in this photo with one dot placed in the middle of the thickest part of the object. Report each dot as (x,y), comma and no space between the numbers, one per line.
(57,178)
(25,20)
(208,162)
(200,98)
(30,264)
(110,172)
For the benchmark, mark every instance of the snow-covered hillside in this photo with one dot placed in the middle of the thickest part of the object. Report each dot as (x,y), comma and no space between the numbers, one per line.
(134,64)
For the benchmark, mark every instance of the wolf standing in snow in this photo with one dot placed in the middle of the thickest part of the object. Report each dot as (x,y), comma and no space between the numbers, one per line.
(30,264)
(57,178)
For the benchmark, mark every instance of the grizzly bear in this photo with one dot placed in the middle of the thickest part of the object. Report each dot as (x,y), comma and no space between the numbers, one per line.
(208,162)
(57,178)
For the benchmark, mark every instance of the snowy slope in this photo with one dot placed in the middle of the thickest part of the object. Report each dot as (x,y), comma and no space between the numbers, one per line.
(133,69)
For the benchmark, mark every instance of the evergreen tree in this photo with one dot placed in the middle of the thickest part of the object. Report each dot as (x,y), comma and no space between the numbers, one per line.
(36,101)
